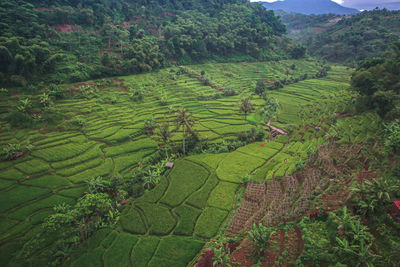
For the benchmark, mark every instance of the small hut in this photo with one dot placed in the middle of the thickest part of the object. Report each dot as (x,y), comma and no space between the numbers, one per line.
(169,165)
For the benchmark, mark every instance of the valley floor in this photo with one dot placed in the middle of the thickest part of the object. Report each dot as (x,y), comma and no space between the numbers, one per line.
(195,201)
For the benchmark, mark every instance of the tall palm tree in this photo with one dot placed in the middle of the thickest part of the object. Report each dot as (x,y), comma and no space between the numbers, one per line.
(245,107)
(185,120)
(164,135)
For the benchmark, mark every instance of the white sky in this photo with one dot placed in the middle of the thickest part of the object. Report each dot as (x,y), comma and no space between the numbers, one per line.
(337,1)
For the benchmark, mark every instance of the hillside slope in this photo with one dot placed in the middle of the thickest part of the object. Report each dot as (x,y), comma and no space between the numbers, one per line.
(69,41)
(345,38)
(310,7)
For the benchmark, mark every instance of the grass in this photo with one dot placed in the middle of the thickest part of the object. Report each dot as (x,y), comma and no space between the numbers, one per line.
(185,178)
(187,220)
(125,161)
(91,154)
(212,160)
(101,170)
(155,194)
(75,192)
(223,196)
(90,259)
(108,241)
(19,195)
(132,222)
(209,222)
(128,147)
(80,168)
(159,218)
(118,253)
(49,181)
(62,152)
(175,251)
(12,174)
(49,202)
(259,149)
(95,240)
(144,250)
(33,166)
(5,184)
(199,198)
(236,165)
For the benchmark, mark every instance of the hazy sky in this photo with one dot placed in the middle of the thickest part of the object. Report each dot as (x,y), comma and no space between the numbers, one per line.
(350,3)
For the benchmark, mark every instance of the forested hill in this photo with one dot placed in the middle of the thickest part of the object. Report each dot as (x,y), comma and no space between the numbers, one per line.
(345,38)
(67,41)
(310,7)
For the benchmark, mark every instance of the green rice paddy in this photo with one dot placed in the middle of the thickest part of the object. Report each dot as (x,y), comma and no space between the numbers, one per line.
(169,225)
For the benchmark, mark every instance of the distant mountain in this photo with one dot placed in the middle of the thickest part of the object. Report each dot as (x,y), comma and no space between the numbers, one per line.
(310,7)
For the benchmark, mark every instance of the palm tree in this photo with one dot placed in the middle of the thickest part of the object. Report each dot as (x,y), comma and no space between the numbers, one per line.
(184,119)
(245,107)
(164,135)
(150,179)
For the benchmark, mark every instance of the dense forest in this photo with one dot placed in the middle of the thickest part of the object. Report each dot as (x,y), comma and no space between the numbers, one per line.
(69,41)
(345,38)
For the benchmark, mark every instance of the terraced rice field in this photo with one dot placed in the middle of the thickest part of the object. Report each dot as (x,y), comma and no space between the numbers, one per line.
(169,225)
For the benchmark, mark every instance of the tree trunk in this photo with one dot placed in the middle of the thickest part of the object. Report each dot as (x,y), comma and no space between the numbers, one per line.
(166,152)
(183,141)
(245,122)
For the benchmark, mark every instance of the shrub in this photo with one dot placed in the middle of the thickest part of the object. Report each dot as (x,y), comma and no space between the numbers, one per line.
(260,236)
(205,80)
(229,91)
(71,225)
(52,116)
(78,123)
(255,134)
(136,190)
(9,151)
(4,92)
(137,95)
(150,125)
(278,84)
(55,91)
(164,100)
(19,119)
(260,87)
(392,137)
(109,99)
